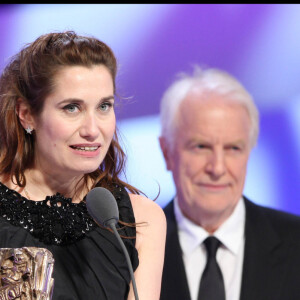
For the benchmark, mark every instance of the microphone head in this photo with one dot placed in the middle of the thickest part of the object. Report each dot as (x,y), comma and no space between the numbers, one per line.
(102,206)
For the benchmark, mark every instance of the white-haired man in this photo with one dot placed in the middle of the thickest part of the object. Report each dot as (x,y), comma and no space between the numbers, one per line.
(220,245)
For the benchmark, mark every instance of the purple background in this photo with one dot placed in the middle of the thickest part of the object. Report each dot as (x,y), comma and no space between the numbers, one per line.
(257,43)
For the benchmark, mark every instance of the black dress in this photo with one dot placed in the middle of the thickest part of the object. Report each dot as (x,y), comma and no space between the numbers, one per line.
(89,263)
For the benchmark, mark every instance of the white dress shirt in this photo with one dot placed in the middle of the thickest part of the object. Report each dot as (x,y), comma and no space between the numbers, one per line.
(230,255)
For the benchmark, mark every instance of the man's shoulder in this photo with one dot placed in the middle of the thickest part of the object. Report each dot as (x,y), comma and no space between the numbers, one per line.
(168,205)
(270,211)
(169,209)
(279,219)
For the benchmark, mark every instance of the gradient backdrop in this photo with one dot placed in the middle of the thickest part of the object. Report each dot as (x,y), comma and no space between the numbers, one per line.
(257,43)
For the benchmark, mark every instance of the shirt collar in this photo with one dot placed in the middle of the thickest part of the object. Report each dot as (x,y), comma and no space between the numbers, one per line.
(230,233)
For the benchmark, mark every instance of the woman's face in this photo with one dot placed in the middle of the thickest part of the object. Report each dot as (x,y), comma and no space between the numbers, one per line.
(77,123)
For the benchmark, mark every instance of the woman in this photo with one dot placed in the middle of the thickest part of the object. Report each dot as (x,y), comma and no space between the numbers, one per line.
(58,141)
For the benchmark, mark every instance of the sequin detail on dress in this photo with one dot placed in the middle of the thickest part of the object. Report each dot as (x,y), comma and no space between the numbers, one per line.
(55,220)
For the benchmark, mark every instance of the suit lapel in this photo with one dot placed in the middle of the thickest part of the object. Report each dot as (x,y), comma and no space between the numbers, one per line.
(174,280)
(264,257)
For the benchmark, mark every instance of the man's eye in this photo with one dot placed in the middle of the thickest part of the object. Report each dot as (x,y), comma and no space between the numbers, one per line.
(201,146)
(234,148)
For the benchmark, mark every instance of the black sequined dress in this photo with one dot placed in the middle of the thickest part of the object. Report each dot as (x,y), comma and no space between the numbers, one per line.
(89,263)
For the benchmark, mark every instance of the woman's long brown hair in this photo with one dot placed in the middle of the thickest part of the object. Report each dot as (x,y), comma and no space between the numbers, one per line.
(30,76)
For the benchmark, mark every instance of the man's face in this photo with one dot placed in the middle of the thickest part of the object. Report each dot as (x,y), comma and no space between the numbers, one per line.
(208,157)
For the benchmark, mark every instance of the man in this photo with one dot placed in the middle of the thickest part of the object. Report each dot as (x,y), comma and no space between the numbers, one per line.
(209,126)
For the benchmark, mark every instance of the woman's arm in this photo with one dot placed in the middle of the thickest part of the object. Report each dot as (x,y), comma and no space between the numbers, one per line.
(150,244)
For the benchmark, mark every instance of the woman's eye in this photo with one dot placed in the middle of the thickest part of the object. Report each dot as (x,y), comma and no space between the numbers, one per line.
(71,108)
(105,106)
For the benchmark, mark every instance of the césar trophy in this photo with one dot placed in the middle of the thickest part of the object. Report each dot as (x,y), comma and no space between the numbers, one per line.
(25,273)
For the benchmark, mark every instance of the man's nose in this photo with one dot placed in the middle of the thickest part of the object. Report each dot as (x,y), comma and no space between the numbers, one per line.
(216,163)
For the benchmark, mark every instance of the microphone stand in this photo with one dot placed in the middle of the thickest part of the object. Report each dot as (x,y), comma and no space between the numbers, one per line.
(112,224)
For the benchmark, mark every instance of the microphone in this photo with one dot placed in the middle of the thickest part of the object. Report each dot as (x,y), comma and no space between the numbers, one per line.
(102,206)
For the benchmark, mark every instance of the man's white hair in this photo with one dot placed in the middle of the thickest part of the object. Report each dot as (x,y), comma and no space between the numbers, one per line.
(213,81)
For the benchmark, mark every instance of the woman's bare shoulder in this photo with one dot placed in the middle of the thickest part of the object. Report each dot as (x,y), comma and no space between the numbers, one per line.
(150,243)
(146,209)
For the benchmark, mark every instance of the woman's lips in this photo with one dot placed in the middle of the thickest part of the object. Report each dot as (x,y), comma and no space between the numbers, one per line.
(90,150)
(85,148)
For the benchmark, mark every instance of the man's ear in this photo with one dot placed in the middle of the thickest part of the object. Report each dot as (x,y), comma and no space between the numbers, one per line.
(165,148)
(24,114)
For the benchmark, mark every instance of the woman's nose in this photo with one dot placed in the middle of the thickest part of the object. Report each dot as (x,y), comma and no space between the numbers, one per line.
(89,127)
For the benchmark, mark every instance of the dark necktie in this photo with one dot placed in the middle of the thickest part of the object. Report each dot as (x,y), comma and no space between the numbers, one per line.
(211,284)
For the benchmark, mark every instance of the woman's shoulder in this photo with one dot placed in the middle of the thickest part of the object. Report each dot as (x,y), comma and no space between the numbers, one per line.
(150,244)
(145,207)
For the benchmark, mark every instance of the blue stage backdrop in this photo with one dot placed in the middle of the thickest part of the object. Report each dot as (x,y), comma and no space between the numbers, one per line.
(257,43)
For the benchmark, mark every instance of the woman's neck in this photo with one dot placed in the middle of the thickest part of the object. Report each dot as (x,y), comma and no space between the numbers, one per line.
(40,185)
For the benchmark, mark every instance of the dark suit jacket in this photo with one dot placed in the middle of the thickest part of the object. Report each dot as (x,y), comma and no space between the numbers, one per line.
(271,269)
